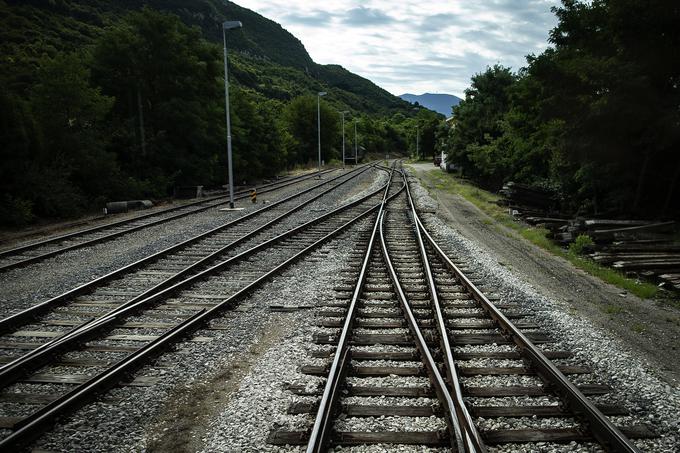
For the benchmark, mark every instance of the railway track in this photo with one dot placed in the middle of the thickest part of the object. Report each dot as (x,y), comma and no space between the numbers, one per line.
(37,251)
(160,270)
(416,354)
(112,339)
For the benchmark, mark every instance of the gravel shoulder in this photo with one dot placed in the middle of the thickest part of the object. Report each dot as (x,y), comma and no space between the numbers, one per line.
(646,328)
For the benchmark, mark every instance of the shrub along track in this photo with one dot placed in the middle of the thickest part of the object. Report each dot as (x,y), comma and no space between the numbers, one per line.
(36,251)
(423,357)
(105,350)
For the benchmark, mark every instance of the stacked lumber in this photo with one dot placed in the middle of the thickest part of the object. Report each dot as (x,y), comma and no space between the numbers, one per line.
(601,230)
(528,201)
(638,248)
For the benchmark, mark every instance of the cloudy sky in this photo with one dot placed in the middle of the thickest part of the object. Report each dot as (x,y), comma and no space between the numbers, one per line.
(415,46)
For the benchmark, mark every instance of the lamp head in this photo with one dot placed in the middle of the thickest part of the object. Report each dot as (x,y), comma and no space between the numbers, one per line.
(230,24)
(322,93)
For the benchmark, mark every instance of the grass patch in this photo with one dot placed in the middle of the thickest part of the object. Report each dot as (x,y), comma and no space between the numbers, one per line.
(638,328)
(486,202)
(613,309)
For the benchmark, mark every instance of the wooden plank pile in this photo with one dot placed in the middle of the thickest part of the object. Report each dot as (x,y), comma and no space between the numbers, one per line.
(635,247)
(639,248)
(525,200)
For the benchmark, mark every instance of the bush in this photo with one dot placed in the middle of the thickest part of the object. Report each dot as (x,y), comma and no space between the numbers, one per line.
(581,245)
(16,212)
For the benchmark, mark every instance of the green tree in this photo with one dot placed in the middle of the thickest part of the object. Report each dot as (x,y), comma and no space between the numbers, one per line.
(479,122)
(300,119)
(72,115)
(166,81)
(611,80)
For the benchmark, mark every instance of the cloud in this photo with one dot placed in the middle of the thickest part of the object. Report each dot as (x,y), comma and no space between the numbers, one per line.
(416,45)
(437,22)
(314,19)
(367,16)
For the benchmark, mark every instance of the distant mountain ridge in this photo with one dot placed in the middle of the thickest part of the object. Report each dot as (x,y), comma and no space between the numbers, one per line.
(440,103)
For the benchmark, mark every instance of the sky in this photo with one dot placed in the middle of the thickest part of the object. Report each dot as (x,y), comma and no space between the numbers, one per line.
(415,46)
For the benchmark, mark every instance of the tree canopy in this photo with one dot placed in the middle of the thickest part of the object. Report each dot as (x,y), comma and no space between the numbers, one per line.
(136,108)
(597,115)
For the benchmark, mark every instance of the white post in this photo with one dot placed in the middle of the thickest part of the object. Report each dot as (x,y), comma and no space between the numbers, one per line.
(318,127)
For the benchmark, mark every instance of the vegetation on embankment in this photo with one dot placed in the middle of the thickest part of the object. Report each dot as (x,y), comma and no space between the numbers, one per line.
(486,202)
(596,116)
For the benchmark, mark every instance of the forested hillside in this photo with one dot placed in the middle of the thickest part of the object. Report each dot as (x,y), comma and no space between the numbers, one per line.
(596,117)
(107,100)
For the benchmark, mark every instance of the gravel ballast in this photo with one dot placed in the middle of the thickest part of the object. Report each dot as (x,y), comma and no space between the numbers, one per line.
(140,418)
(20,288)
(632,379)
(228,393)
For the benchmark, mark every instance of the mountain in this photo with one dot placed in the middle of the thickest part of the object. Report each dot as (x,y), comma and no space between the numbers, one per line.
(268,59)
(440,103)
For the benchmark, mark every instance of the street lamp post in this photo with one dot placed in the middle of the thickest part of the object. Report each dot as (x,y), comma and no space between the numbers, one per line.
(228,25)
(356,146)
(318,124)
(343,137)
(417,142)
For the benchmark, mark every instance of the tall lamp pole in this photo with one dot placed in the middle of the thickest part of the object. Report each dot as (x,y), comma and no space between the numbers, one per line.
(417,142)
(318,124)
(343,137)
(356,141)
(228,25)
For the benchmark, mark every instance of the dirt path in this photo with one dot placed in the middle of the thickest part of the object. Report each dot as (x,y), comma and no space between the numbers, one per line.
(650,329)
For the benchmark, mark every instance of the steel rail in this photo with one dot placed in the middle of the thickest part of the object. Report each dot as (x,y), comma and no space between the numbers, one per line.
(33,426)
(11,372)
(436,378)
(177,276)
(324,418)
(10,322)
(33,245)
(468,439)
(602,429)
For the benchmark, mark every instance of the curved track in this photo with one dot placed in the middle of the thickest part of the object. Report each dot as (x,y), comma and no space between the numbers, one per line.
(432,361)
(105,350)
